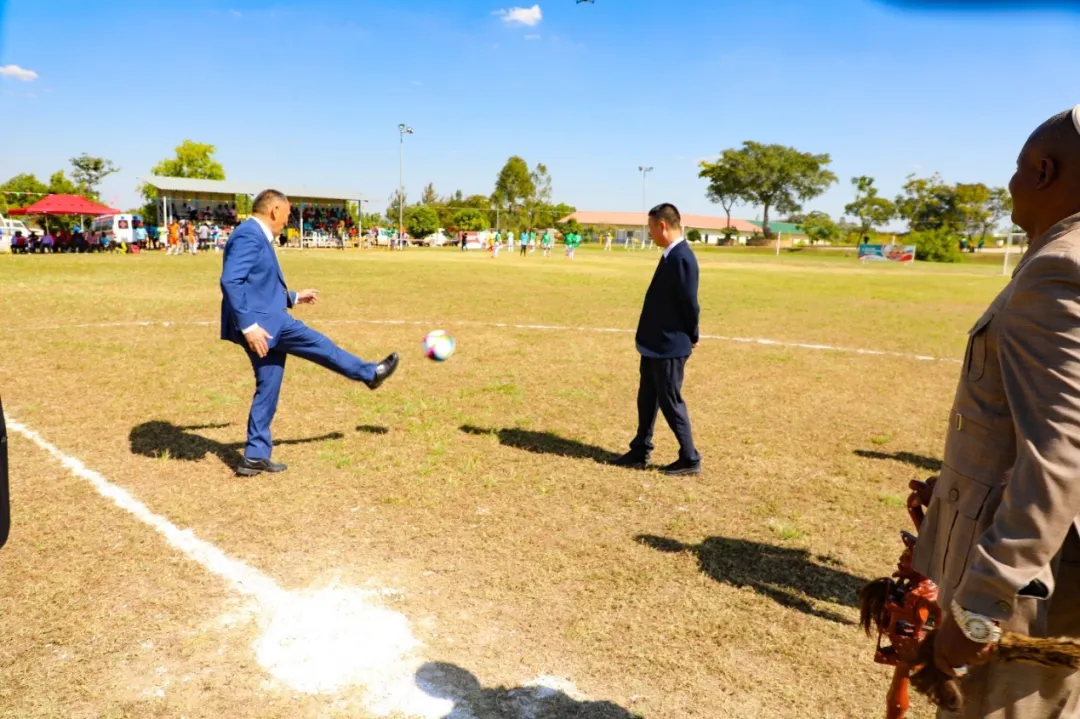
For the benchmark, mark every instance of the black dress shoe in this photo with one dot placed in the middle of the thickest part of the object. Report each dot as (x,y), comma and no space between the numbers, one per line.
(251,467)
(383,370)
(632,460)
(682,468)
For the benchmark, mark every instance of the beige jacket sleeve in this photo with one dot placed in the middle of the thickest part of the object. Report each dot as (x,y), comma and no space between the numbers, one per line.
(1039,352)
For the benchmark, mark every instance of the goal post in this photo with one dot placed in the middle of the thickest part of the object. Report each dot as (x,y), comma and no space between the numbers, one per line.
(1020,239)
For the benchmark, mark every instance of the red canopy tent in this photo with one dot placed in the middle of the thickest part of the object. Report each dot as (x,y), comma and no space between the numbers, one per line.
(65,205)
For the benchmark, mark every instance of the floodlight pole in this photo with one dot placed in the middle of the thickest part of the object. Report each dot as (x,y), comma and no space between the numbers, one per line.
(403,130)
(644,171)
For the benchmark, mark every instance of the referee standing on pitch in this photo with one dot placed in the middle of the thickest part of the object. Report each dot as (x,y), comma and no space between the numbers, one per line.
(667,333)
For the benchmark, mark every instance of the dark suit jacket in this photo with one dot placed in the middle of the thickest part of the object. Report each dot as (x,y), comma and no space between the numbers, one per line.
(668,327)
(253,289)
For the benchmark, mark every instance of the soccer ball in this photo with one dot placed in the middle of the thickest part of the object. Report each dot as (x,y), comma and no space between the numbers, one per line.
(438,345)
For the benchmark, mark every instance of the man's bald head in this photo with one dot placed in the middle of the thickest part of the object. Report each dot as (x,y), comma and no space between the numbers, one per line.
(1046,185)
(1059,135)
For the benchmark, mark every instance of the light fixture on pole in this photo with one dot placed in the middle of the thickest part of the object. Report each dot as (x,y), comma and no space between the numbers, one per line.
(403,130)
(644,171)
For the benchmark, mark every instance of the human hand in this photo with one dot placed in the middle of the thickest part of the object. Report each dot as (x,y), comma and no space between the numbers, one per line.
(952,650)
(307,297)
(256,341)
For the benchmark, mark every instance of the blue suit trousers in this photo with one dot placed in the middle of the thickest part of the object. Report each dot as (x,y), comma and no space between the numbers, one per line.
(295,338)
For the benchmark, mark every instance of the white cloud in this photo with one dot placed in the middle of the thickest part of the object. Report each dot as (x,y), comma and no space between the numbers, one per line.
(236,13)
(417,83)
(532,37)
(530,16)
(17,73)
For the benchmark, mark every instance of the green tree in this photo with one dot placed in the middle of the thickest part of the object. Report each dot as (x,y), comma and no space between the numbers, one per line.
(937,245)
(726,186)
(693,236)
(869,210)
(539,206)
(20,191)
(819,227)
(60,184)
(469,220)
(514,190)
(429,196)
(776,177)
(972,202)
(565,228)
(928,203)
(372,219)
(1000,206)
(421,221)
(89,172)
(980,209)
(848,231)
(478,202)
(397,198)
(193,160)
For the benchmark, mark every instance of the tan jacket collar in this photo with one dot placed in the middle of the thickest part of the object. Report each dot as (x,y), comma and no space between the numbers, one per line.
(1069,224)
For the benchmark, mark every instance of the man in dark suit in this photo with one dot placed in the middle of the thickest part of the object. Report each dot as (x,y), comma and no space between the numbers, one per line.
(667,333)
(253,315)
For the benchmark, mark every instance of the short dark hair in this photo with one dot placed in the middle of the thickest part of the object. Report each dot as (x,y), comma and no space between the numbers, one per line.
(266,199)
(668,213)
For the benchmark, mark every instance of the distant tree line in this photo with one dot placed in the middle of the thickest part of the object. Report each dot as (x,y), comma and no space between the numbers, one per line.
(87,172)
(781,179)
(521,199)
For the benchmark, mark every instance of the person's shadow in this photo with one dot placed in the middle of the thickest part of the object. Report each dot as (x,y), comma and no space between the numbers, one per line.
(164,439)
(791,577)
(915,460)
(473,701)
(544,443)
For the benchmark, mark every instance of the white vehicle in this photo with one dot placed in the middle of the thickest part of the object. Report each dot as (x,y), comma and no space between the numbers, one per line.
(116,228)
(436,239)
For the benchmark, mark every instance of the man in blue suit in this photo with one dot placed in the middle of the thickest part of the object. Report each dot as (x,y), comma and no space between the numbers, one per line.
(667,333)
(253,315)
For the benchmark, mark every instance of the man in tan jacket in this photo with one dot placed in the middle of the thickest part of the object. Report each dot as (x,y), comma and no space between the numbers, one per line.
(1000,536)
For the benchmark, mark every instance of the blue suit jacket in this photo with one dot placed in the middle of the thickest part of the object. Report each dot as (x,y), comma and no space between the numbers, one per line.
(253,290)
(668,327)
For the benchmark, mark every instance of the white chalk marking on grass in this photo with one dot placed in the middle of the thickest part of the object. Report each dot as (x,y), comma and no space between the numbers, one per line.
(313,641)
(506,325)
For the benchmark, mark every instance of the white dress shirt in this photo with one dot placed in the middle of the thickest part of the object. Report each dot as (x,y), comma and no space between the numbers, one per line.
(667,250)
(270,239)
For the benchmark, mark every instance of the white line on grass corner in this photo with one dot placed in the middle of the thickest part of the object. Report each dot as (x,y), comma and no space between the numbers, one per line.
(506,325)
(313,641)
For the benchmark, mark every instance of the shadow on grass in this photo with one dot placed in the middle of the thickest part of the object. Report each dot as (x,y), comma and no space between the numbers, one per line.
(158,438)
(544,443)
(471,699)
(791,577)
(915,460)
(373,429)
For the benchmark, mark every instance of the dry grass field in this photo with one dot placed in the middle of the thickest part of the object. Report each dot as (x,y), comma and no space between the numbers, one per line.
(466,500)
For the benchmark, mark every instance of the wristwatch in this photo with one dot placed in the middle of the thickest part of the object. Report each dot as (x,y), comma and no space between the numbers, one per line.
(976,627)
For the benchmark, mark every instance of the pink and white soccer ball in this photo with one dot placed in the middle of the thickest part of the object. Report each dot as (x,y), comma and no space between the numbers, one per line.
(438,345)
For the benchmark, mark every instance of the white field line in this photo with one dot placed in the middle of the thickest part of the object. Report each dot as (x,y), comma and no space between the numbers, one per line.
(316,642)
(505,325)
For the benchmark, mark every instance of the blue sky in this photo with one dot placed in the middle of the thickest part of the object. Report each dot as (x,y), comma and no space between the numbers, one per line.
(310,92)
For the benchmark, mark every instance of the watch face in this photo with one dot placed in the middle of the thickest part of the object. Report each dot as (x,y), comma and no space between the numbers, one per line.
(978,631)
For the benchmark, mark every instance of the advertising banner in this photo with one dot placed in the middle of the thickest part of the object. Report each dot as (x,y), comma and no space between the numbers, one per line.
(881,253)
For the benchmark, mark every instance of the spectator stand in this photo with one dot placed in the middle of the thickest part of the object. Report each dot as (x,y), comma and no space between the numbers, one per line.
(319,218)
